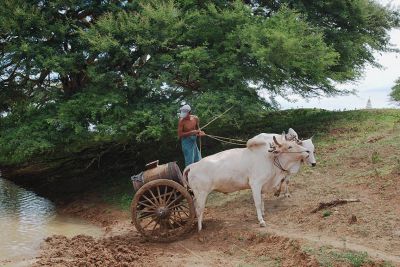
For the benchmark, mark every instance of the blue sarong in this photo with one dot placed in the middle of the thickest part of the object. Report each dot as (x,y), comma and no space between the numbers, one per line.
(190,150)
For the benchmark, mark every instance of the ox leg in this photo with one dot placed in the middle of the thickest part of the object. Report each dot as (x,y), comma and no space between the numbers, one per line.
(262,204)
(256,190)
(287,193)
(278,191)
(200,202)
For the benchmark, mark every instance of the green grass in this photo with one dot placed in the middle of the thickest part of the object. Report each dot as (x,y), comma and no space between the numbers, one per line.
(356,259)
(326,213)
(329,257)
(118,192)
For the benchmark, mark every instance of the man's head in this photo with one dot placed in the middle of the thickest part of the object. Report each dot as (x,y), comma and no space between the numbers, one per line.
(185,111)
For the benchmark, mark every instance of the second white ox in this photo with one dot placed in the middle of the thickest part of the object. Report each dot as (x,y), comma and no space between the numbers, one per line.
(254,168)
(291,136)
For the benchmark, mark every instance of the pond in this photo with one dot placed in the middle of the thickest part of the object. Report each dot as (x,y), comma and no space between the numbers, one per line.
(26,219)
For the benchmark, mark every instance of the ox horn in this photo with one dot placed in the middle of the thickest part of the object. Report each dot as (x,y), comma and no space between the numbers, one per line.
(284,134)
(276,142)
(299,141)
(272,148)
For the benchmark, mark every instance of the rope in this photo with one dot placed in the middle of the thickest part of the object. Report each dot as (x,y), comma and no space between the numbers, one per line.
(200,144)
(278,164)
(224,141)
(216,118)
(228,139)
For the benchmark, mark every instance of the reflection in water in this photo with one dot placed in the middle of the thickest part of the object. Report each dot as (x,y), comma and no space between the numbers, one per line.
(26,219)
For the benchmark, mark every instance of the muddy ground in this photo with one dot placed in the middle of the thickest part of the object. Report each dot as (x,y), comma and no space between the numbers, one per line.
(232,237)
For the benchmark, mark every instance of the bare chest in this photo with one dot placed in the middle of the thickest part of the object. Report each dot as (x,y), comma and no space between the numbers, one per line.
(189,125)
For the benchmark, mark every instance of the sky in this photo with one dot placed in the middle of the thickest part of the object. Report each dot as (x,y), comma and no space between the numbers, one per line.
(375,84)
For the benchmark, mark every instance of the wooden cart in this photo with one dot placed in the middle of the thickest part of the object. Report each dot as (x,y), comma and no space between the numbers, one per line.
(162,208)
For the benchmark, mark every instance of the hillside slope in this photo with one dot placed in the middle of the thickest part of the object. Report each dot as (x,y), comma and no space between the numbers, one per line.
(358,157)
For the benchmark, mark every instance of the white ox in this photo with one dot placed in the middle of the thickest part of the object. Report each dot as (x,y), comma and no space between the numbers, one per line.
(243,168)
(291,136)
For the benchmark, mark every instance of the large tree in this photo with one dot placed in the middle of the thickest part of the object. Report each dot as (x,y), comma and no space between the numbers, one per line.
(78,73)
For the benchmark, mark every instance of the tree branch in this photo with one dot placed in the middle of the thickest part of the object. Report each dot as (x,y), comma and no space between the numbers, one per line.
(323,205)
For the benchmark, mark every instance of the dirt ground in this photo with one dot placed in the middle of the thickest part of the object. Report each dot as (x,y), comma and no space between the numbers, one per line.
(231,237)
(365,233)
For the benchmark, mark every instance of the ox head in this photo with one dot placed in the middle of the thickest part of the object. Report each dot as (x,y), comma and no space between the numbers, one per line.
(307,144)
(290,148)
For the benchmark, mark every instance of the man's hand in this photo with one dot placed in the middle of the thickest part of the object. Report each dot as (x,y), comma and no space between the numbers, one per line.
(201,133)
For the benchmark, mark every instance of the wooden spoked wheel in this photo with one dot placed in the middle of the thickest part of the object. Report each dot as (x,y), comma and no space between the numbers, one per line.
(162,210)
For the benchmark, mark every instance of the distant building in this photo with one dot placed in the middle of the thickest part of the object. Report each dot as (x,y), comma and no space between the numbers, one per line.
(369,105)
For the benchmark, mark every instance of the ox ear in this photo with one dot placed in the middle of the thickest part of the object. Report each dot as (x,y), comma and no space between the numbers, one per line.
(276,142)
(292,135)
(292,132)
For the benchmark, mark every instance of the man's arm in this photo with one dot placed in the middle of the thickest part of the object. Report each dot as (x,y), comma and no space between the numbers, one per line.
(200,132)
(197,122)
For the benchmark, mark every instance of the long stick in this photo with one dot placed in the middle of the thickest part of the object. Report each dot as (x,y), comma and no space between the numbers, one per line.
(332,203)
(216,118)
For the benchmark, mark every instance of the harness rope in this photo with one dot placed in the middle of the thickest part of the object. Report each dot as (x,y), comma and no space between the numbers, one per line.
(225,141)
(278,164)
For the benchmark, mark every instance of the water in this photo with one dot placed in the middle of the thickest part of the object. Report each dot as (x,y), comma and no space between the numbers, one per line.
(26,219)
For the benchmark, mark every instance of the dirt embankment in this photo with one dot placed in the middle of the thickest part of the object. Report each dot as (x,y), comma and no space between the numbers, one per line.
(92,209)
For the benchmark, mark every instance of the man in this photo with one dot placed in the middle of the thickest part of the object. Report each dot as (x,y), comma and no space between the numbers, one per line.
(188,130)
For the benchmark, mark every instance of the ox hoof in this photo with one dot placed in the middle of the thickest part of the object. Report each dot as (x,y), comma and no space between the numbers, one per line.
(277,193)
(263,224)
(288,195)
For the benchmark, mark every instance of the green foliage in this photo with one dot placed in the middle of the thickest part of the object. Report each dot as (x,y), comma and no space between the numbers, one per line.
(326,213)
(87,75)
(330,257)
(356,259)
(352,28)
(375,158)
(395,93)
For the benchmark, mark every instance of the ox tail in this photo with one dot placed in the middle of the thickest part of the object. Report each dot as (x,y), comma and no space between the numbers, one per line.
(185,175)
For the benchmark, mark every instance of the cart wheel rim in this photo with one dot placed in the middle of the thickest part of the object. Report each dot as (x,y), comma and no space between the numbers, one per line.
(162,210)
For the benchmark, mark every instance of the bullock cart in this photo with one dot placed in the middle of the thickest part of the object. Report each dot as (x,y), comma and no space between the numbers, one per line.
(162,208)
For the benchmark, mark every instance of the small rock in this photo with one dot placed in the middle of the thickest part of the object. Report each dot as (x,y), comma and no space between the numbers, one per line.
(397,233)
(353,219)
